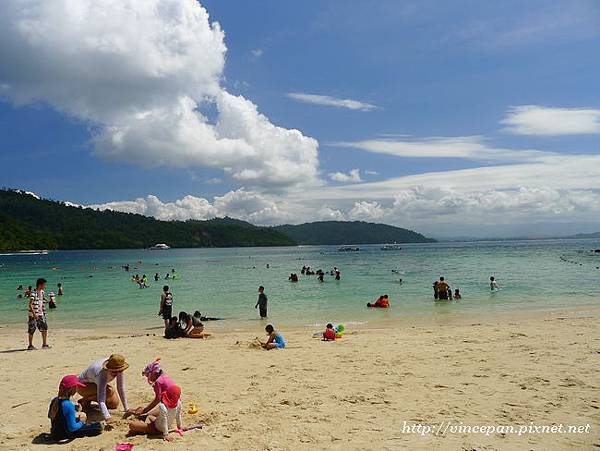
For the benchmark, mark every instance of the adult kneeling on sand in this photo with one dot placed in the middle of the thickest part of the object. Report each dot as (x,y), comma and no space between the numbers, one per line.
(96,387)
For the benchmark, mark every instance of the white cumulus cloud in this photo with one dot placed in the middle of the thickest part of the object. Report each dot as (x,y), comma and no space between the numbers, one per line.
(545,121)
(352,177)
(141,73)
(317,99)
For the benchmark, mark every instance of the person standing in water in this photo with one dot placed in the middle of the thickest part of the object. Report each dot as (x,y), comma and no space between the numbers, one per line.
(166,305)
(261,303)
(493,284)
(61,290)
(442,289)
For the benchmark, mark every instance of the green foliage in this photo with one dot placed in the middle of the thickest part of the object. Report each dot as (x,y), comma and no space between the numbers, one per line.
(30,223)
(357,232)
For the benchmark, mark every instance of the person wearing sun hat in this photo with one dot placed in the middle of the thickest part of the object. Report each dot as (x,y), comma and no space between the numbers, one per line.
(96,387)
(159,381)
(160,419)
(66,422)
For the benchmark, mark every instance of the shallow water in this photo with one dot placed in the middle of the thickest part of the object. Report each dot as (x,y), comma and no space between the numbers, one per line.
(223,282)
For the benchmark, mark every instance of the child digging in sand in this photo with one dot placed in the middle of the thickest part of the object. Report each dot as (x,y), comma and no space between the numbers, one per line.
(159,381)
(160,418)
(66,422)
(275,340)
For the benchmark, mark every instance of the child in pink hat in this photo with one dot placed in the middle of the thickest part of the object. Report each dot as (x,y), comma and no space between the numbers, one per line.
(160,419)
(66,422)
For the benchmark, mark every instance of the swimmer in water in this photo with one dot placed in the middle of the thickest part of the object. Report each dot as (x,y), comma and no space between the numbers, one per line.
(493,284)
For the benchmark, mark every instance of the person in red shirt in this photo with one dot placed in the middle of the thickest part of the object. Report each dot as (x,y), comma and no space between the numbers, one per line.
(329,334)
(381,302)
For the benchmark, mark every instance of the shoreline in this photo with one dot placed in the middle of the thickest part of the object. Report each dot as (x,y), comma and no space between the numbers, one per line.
(354,393)
(252,325)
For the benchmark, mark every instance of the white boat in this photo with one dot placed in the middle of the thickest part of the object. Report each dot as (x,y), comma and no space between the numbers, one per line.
(348,249)
(391,247)
(160,247)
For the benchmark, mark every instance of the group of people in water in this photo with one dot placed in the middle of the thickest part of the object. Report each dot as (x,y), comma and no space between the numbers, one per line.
(143,280)
(307,271)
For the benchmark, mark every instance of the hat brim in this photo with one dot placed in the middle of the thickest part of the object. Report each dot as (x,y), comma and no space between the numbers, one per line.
(117,369)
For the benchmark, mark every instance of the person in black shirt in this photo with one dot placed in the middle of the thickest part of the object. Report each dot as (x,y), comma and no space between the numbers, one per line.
(262,302)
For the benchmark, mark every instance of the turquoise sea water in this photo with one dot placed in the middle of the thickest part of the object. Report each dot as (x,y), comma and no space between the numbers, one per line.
(223,282)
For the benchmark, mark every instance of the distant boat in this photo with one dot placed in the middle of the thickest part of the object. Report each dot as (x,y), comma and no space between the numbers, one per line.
(160,247)
(348,249)
(391,247)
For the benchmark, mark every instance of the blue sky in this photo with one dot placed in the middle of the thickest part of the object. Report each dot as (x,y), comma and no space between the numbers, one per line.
(426,72)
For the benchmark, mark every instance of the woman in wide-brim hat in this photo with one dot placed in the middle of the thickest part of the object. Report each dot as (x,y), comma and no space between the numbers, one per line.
(96,387)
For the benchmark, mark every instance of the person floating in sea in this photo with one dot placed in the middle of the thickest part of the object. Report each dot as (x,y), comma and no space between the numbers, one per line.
(66,423)
(156,277)
(37,314)
(166,305)
(293,277)
(60,288)
(28,291)
(442,289)
(494,284)
(320,276)
(381,302)
(261,303)
(275,340)
(160,419)
(96,387)
(167,276)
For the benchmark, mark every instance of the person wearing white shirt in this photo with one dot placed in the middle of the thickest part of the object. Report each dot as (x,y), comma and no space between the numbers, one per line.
(96,379)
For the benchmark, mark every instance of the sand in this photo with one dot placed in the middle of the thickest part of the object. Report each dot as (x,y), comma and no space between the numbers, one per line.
(355,393)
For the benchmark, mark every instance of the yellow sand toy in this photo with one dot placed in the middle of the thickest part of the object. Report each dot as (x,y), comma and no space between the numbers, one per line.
(193,409)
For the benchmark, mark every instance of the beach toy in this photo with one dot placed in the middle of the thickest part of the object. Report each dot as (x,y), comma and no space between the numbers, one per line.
(124,447)
(193,409)
(339,331)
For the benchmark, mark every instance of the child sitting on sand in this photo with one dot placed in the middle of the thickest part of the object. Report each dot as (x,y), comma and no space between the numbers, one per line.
(173,330)
(160,418)
(329,334)
(159,381)
(275,340)
(66,423)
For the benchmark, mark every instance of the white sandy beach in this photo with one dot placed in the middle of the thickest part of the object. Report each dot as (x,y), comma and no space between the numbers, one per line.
(355,393)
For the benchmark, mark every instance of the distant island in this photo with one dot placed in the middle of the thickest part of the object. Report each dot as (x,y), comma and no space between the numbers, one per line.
(352,232)
(29,222)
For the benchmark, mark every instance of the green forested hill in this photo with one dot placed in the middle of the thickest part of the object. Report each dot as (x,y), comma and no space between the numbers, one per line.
(356,232)
(27,222)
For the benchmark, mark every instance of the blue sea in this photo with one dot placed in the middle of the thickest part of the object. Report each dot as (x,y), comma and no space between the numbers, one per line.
(533,275)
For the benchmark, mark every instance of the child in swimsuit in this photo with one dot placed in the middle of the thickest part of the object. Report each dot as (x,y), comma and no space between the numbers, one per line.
(329,334)
(159,381)
(66,422)
(275,340)
(160,418)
